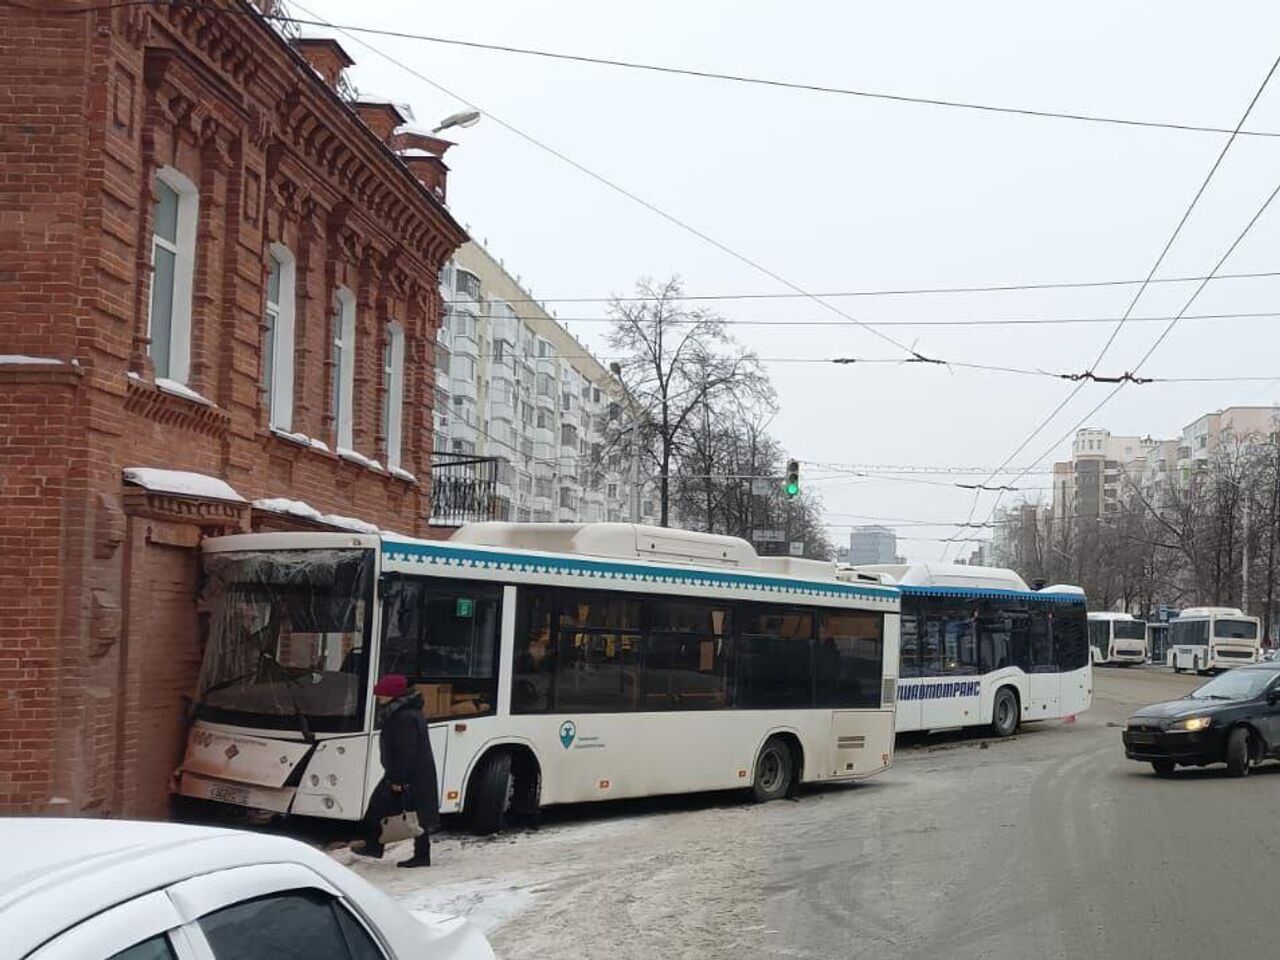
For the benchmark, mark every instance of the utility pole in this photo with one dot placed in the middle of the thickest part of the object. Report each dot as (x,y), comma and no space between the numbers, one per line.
(1244,565)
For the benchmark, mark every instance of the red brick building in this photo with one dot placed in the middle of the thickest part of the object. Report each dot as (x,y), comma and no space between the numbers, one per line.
(210,262)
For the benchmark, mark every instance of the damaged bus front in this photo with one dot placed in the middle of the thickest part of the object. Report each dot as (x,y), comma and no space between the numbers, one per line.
(283,711)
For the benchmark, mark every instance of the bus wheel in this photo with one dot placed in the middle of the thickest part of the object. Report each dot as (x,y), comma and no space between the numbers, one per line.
(490,794)
(1004,713)
(773,771)
(1238,753)
(1163,768)
(1176,668)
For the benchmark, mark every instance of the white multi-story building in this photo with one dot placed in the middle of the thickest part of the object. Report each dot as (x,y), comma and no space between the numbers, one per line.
(514,385)
(1090,483)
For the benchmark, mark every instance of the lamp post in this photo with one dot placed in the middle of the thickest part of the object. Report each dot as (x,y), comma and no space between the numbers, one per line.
(616,369)
(467,118)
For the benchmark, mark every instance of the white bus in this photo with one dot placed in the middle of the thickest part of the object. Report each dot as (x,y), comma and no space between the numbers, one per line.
(1117,638)
(559,663)
(981,648)
(1213,638)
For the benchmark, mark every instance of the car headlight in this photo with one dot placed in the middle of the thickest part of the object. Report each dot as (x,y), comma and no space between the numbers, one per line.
(1192,724)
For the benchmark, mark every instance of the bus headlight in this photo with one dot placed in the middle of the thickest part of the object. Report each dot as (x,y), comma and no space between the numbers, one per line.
(1192,724)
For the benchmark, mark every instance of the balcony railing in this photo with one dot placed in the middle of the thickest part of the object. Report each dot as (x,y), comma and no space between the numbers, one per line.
(463,489)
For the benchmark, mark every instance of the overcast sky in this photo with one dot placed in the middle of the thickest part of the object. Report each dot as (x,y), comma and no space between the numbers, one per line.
(838,193)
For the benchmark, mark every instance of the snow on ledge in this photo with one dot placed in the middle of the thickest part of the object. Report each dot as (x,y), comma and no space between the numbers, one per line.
(298,508)
(359,458)
(349,523)
(181,482)
(403,475)
(181,390)
(17,358)
(301,438)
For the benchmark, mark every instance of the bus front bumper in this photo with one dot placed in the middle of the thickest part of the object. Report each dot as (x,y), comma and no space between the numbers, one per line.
(1200,747)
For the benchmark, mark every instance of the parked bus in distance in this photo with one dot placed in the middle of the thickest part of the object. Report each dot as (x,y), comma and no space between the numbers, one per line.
(979,648)
(1117,638)
(1213,638)
(558,663)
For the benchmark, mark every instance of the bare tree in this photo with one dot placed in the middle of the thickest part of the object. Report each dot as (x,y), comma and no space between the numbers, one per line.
(680,368)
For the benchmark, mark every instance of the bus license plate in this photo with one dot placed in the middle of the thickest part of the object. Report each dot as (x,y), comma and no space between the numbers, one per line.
(228,794)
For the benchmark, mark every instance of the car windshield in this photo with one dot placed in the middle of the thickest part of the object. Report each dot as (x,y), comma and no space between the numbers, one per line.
(1234,685)
(1235,630)
(286,639)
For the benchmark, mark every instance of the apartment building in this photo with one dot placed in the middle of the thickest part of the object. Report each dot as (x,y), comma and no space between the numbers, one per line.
(1213,432)
(873,544)
(515,387)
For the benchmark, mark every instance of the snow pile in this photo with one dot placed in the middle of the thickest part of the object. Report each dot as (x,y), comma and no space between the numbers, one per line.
(294,508)
(359,458)
(403,474)
(16,358)
(181,482)
(486,903)
(181,390)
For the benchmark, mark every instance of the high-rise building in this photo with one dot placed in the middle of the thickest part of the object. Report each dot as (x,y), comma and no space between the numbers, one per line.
(513,384)
(1090,483)
(873,544)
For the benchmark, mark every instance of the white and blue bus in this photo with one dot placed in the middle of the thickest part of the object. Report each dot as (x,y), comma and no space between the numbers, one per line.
(979,648)
(558,663)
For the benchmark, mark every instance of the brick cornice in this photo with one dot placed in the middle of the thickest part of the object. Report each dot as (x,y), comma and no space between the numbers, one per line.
(196,511)
(149,401)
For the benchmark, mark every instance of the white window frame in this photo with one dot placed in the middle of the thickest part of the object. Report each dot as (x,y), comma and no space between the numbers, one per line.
(278,381)
(343,344)
(184,271)
(393,396)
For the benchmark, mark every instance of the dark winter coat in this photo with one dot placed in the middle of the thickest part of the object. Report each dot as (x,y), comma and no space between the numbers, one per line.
(407,760)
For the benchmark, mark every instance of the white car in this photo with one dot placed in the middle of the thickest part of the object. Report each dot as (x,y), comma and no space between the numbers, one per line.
(116,890)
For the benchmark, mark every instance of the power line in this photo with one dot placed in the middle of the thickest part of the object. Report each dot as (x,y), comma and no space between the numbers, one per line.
(699,74)
(982,322)
(1155,267)
(893,292)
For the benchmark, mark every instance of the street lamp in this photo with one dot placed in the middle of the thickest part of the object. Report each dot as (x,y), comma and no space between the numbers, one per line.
(466,118)
(616,369)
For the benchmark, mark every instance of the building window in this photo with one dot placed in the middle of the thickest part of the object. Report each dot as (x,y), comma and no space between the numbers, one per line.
(173,244)
(277,338)
(344,362)
(468,285)
(393,391)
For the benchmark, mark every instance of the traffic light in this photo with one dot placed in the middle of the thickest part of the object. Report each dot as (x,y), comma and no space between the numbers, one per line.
(792,485)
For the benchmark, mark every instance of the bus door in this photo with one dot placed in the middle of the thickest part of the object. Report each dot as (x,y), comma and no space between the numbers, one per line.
(908,705)
(1044,681)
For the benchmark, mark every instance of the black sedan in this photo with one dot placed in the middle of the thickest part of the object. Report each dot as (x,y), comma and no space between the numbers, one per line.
(1232,719)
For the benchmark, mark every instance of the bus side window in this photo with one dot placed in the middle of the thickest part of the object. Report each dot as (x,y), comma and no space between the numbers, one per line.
(774,658)
(1070,649)
(534,666)
(1041,640)
(995,649)
(401,626)
(686,655)
(849,659)
(909,649)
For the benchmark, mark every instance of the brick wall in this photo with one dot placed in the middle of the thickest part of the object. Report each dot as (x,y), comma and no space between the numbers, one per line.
(98,638)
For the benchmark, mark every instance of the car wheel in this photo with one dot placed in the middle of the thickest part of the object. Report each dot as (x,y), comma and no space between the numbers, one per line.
(1238,753)
(490,794)
(1004,713)
(773,771)
(1163,768)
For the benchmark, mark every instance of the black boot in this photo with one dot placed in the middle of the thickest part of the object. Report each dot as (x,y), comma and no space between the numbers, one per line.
(368,849)
(421,854)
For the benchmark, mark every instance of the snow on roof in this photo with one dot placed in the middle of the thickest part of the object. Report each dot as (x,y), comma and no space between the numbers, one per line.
(15,358)
(181,482)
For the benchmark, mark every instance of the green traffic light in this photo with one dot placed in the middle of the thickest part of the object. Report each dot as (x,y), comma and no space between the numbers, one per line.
(792,488)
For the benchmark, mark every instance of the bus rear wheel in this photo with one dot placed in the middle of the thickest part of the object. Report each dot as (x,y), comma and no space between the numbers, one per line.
(490,794)
(775,768)
(1004,713)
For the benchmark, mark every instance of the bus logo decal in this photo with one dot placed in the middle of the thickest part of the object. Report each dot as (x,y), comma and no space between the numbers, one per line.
(939,691)
(568,731)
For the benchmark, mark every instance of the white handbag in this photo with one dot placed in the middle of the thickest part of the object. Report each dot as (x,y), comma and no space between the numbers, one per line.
(401,826)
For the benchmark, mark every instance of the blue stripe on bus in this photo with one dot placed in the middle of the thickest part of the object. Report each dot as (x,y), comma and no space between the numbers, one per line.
(911,590)
(456,556)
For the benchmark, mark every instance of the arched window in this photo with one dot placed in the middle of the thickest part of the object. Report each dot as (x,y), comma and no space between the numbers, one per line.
(343,372)
(173,258)
(277,337)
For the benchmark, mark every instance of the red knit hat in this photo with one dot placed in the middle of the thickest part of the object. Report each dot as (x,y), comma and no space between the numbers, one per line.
(393,685)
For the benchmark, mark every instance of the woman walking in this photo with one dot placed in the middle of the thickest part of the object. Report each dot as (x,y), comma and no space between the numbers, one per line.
(409,769)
